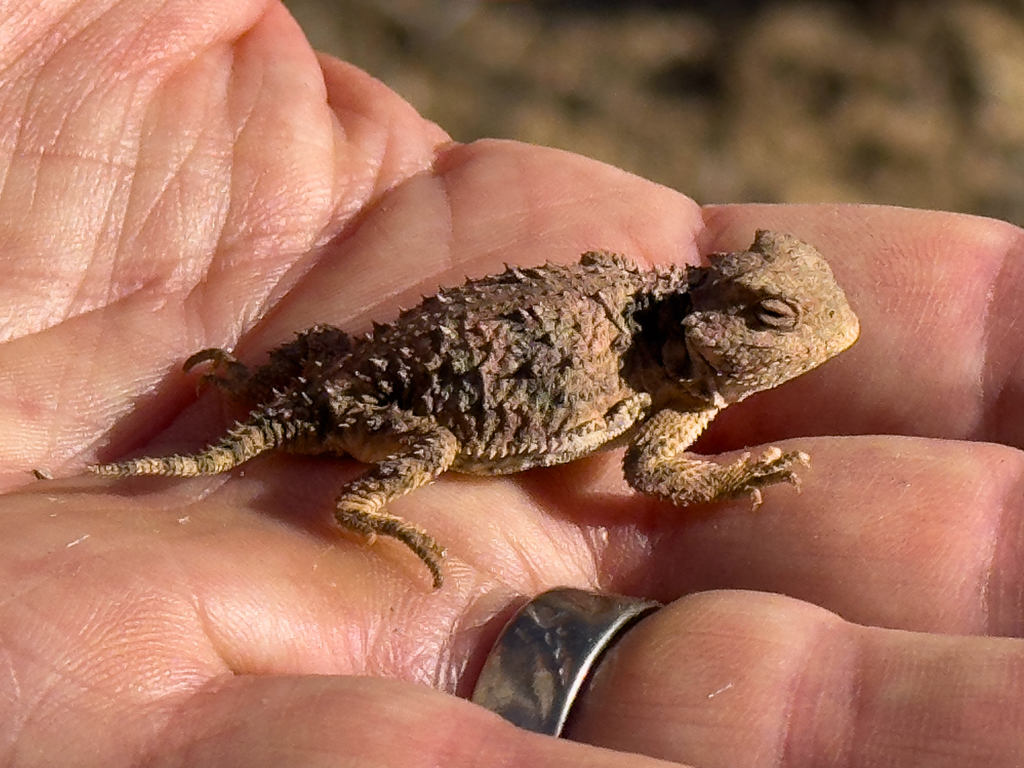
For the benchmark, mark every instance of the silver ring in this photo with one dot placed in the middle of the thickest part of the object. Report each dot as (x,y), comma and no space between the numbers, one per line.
(535,671)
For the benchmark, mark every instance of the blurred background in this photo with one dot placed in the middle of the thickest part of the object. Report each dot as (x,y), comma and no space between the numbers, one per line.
(903,103)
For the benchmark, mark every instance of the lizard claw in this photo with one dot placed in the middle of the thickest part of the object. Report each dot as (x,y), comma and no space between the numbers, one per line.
(756,499)
(225,372)
(772,466)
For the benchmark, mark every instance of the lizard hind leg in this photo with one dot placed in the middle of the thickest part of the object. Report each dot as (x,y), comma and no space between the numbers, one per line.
(420,459)
(307,355)
(225,372)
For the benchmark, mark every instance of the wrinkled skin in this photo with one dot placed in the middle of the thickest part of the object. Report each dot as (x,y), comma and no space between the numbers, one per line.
(187,176)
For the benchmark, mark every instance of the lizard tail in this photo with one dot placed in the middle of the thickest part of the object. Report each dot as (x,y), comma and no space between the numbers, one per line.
(260,433)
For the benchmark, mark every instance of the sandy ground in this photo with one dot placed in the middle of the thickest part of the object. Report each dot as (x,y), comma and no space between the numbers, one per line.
(904,103)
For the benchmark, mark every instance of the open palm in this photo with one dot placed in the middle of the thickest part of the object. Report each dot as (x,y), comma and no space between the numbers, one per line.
(178,176)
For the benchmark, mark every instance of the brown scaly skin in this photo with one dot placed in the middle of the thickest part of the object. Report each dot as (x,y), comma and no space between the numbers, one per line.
(536,367)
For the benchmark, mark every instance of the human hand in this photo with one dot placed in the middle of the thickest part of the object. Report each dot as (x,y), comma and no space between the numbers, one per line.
(186,176)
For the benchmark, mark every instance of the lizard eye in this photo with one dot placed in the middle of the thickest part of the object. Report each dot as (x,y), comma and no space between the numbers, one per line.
(777,313)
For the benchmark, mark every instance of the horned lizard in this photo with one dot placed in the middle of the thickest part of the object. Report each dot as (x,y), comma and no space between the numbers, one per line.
(535,367)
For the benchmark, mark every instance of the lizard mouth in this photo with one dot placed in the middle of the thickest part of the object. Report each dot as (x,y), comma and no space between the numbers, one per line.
(699,364)
(703,373)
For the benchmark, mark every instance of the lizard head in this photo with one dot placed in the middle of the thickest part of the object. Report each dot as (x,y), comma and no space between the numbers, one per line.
(760,317)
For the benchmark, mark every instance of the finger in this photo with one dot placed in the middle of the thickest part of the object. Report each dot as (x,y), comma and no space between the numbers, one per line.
(327,721)
(218,178)
(889,531)
(939,297)
(761,680)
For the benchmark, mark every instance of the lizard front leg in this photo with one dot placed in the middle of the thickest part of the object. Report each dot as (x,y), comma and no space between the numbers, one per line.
(657,463)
